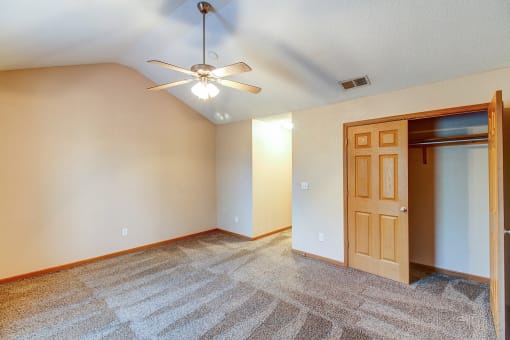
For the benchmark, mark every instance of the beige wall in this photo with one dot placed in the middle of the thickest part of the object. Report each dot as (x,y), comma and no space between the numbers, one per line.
(86,151)
(317,150)
(234,177)
(272,176)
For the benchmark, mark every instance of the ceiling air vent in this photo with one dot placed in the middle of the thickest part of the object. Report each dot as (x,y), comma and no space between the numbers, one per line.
(352,83)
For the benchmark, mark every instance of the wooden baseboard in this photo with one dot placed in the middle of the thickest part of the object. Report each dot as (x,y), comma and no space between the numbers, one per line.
(317,257)
(432,269)
(231,233)
(255,237)
(127,251)
(99,258)
(271,232)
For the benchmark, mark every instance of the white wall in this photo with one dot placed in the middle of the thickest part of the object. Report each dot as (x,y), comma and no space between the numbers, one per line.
(234,177)
(318,153)
(272,176)
(84,152)
(449,208)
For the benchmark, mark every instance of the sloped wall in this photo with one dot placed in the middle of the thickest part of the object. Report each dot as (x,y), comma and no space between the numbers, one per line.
(86,151)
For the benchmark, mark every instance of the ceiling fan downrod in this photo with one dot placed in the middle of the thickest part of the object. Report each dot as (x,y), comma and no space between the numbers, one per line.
(204,8)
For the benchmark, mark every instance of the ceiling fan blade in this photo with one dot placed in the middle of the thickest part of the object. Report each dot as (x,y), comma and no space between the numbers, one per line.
(239,86)
(167,85)
(231,69)
(172,67)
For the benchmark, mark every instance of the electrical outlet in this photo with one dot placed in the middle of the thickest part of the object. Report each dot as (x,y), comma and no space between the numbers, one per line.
(124,231)
(236,219)
(321,237)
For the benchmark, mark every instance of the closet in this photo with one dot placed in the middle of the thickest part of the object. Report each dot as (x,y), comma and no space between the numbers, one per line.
(449,195)
(428,188)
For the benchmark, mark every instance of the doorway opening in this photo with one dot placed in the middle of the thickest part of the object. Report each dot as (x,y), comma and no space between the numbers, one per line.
(446,147)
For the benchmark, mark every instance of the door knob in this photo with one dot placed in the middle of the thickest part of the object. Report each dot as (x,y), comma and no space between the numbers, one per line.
(403,209)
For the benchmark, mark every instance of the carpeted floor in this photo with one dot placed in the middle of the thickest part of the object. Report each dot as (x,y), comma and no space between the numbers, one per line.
(218,286)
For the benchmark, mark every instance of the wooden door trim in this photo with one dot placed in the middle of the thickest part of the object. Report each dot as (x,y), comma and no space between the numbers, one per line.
(424,114)
(497,213)
(408,116)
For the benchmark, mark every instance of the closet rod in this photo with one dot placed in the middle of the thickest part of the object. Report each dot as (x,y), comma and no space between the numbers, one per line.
(465,139)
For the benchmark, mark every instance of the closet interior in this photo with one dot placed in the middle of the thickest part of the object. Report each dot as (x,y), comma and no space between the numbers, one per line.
(449,195)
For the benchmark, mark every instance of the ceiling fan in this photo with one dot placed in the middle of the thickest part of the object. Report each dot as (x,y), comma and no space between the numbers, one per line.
(207,74)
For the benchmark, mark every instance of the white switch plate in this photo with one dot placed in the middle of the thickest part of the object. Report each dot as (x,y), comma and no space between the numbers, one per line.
(236,219)
(321,237)
(124,231)
(305,186)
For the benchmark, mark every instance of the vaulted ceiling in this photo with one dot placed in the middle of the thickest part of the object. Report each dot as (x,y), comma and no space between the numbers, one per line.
(298,49)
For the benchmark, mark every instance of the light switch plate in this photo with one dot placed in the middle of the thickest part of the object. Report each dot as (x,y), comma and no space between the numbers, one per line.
(305,186)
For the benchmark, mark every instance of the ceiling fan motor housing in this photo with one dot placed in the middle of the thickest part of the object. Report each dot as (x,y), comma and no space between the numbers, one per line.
(202,69)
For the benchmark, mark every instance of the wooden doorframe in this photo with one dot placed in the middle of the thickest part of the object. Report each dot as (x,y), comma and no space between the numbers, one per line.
(408,116)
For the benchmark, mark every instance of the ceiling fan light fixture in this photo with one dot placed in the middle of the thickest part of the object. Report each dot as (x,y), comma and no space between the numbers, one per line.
(205,90)
(213,90)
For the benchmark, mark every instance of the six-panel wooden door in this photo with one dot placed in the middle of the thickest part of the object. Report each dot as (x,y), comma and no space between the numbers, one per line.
(378,236)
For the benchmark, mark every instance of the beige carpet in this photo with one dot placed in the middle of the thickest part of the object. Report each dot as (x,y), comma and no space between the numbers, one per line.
(218,286)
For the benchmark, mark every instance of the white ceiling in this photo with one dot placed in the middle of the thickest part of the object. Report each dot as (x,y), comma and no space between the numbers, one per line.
(298,49)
